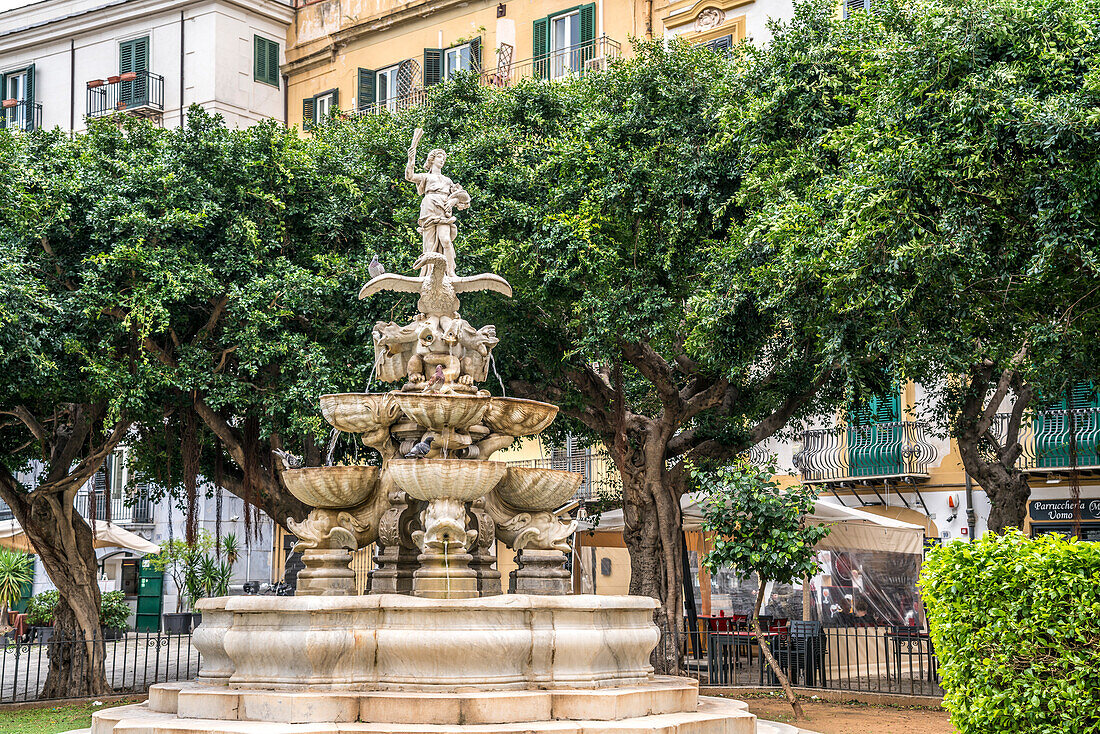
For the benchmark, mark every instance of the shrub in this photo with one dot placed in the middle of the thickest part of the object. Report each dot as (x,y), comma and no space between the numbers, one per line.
(114,612)
(1016,626)
(42,607)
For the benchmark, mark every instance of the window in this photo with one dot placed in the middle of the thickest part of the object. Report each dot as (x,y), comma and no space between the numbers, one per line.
(266,61)
(563,41)
(851,6)
(130,577)
(316,108)
(720,45)
(133,57)
(386,88)
(18,85)
(457,59)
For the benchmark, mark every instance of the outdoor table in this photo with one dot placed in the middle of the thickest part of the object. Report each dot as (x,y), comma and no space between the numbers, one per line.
(911,642)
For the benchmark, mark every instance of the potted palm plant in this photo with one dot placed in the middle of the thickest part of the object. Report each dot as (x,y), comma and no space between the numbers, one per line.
(16,571)
(182,562)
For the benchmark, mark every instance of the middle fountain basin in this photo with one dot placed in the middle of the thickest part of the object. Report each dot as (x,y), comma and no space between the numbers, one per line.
(390,641)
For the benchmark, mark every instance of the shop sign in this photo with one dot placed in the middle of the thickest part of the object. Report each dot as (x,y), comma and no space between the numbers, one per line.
(1063,510)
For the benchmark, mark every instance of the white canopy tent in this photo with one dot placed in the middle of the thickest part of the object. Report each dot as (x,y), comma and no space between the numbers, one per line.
(851,529)
(107,535)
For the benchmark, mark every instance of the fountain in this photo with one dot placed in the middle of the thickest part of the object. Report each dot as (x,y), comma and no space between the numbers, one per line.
(435,646)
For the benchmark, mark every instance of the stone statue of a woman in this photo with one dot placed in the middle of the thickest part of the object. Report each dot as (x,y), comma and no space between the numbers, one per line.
(441,196)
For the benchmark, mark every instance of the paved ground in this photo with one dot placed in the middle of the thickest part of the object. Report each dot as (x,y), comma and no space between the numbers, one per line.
(133,664)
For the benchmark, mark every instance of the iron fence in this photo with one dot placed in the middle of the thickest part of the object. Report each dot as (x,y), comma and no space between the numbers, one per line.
(884,659)
(133,662)
(878,450)
(20,115)
(136,510)
(1045,438)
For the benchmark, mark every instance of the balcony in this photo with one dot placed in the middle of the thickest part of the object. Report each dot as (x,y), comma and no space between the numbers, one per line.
(1046,444)
(19,114)
(139,511)
(578,60)
(874,454)
(139,93)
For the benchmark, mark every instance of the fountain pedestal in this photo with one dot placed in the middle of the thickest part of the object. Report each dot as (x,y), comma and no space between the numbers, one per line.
(540,572)
(327,572)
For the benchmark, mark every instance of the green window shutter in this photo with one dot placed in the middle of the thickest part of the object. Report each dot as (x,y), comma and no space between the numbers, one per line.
(588,22)
(273,62)
(475,54)
(28,108)
(1083,394)
(540,36)
(335,99)
(366,93)
(133,55)
(259,59)
(433,66)
(307,113)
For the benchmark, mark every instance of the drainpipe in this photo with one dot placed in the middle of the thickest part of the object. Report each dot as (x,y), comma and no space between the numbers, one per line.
(970,518)
(72,87)
(182,49)
(286,101)
(649,20)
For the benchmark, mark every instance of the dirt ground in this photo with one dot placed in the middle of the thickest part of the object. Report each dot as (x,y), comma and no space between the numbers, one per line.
(833,718)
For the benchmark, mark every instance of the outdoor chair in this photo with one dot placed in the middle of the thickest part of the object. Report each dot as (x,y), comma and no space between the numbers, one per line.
(803,651)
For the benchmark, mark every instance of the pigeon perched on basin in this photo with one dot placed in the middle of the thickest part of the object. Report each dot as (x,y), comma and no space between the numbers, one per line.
(436,381)
(290,461)
(420,450)
(375,268)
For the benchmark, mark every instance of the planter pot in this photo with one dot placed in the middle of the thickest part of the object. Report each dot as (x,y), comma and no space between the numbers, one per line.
(113,79)
(110,634)
(196,619)
(96,83)
(128,76)
(42,634)
(178,623)
(10,103)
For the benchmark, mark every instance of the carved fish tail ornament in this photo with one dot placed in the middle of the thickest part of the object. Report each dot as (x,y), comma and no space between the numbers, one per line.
(321,530)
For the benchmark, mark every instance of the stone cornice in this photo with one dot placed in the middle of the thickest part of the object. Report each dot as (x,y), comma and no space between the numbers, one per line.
(374,24)
(687,11)
(112,13)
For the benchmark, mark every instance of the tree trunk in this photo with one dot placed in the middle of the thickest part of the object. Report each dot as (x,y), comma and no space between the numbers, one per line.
(63,541)
(1006,486)
(765,650)
(651,534)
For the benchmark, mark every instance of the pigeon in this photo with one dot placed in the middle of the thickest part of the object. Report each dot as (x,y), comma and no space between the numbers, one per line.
(375,268)
(420,450)
(290,461)
(437,378)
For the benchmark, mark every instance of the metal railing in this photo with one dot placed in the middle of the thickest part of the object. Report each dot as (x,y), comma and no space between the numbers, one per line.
(879,450)
(137,511)
(1045,438)
(133,662)
(898,660)
(138,93)
(578,60)
(20,115)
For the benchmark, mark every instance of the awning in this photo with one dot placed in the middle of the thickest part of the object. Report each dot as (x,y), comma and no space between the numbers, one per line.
(107,535)
(851,529)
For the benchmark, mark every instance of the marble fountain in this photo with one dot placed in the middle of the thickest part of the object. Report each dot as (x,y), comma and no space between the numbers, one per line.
(435,647)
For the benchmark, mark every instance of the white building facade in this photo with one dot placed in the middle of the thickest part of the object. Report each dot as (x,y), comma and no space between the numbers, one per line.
(63,62)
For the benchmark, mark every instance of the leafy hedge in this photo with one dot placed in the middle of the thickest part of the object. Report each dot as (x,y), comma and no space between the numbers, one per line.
(1016,625)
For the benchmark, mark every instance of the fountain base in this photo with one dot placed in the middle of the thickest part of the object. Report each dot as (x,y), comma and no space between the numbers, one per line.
(326,573)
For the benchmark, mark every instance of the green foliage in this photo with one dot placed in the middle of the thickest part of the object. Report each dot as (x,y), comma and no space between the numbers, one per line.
(757,526)
(183,562)
(16,571)
(114,612)
(230,548)
(42,607)
(1016,626)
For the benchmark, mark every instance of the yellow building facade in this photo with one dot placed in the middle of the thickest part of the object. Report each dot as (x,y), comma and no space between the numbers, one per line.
(370,56)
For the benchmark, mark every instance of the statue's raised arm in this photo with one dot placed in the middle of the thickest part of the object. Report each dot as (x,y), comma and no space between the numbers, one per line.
(410,167)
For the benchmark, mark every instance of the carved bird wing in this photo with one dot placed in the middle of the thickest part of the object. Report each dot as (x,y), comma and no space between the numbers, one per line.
(483,282)
(391,282)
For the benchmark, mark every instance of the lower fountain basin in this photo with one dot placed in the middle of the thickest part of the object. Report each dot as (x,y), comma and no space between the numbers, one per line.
(464,480)
(519,417)
(390,641)
(332,487)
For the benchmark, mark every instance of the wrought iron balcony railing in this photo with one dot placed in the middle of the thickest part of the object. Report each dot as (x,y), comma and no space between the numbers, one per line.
(1046,439)
(578,60)
(139,511)
(896,450)
(139,93)
(19,114)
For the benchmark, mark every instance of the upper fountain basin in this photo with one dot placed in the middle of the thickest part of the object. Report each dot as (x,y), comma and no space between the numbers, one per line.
(438,412)
(332,487)
(360,412)
(461,479)
(517,417)
(532,489)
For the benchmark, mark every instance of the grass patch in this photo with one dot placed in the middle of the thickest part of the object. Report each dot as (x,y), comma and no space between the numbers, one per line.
(53,719)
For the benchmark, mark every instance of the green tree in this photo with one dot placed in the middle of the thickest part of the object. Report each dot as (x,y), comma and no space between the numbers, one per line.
(182,560)
(948,202)
(760,528)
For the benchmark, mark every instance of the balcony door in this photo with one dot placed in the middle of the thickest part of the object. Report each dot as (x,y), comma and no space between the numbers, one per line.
(564,41)
(875,437)
(133,57)
(1078,410)
(18,85)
